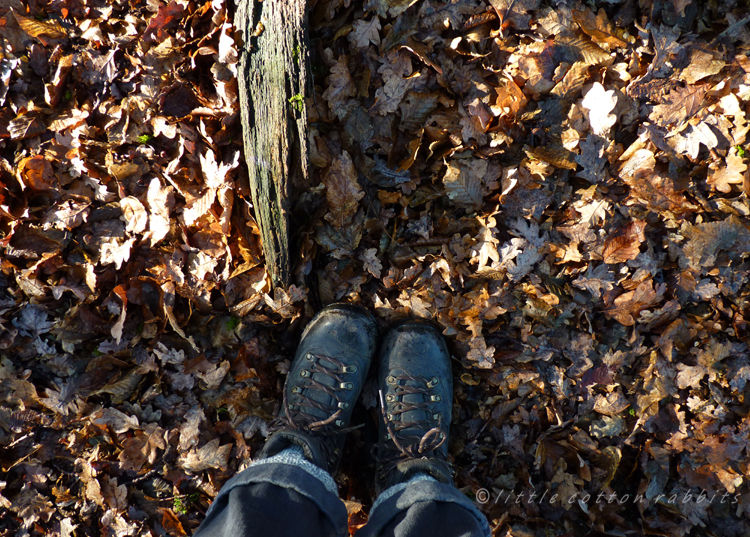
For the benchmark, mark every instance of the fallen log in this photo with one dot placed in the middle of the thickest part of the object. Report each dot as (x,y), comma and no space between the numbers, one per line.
(272,86)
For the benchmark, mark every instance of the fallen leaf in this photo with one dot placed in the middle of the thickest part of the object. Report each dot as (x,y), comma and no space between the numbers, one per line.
(625,244)
(371,262)
(342,190)
(142,448)
(600,103)
(340,87)
(365,32)
(722,178)
(463,181)
(209,456)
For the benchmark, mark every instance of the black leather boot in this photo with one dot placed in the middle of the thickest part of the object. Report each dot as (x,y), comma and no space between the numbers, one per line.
(416,398)
(327,375)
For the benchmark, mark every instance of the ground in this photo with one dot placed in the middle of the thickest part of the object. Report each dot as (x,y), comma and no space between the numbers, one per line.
(561,187)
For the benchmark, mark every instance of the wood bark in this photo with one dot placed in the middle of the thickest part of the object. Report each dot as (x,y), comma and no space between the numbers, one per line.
(272,84)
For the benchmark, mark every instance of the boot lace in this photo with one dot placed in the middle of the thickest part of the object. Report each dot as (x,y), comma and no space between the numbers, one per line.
(299,416)
(398,446)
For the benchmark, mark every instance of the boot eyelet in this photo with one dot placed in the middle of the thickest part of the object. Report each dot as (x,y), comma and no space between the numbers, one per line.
(309,357)
(436,398)
(390,379)
(343,405)
(433,382)
(437,417)
(346,386)
(340,423)
(349,369)
(390,417)
(304,373)
(387,436)
(390,398)
(296,389)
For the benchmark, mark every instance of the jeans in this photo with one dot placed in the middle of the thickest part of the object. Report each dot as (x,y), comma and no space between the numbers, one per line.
(288,496)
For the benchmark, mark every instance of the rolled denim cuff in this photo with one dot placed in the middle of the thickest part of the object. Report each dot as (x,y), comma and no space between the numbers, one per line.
(289,469)
(420,488)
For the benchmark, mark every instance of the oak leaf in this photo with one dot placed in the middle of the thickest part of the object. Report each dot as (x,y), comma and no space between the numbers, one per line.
(340,87)
(342,190)
(681,104)
(592,159)
(596,281)
(209,456)
(722,178)
(627,306)
(706,240)
(624,245)
(365,32)
(371,262)
(463,182)
(134,213)
(142,448)
(689,140)
(600,103)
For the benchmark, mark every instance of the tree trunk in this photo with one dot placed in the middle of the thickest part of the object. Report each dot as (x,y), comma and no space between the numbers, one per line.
(272,83)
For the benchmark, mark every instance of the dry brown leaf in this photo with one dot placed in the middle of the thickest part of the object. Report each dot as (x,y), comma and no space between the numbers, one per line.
(702,64)
(365,32)
(599,27)
(340,87)
(706,240)
(209,456)
(168,16)
(342,190)
(722,178)
(26,126)
(171,523)
(463,181)
(627,306)
(142,448)
(625,244)
(680,105)
(136,218)
(40,29)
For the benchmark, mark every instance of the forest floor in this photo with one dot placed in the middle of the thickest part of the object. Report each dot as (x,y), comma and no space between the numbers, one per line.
(561,186)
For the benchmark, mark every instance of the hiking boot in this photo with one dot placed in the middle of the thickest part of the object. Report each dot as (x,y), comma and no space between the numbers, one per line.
(326,377)
(416,397)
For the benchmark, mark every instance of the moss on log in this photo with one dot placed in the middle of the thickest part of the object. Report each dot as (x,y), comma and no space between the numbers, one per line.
(272,83)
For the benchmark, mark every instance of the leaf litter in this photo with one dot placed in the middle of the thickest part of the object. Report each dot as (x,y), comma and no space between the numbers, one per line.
(561,188)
